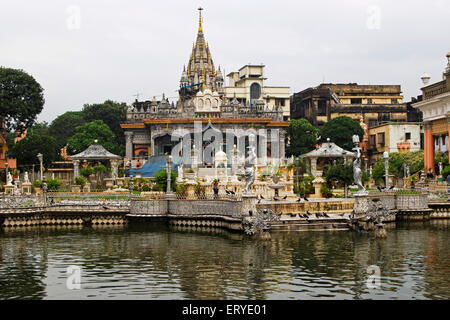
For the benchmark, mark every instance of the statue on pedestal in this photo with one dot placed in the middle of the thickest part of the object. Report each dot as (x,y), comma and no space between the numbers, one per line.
(357,172)
(9,179)
(25,177)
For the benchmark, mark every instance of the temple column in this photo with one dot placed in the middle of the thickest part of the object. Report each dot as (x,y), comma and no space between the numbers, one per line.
(448,133)
(313,166)
(428,147)
(76,168)
(129,145)
(114,170)
(282,144)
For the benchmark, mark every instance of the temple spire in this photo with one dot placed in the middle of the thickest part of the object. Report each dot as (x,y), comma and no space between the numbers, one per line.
(200,19)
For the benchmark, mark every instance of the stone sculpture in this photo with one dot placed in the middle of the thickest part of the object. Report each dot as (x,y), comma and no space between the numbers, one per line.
(250,169)
(357,172)
(9,179)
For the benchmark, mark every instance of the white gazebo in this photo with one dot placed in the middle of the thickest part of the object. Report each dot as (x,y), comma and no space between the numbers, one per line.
(96,152)
(326,150)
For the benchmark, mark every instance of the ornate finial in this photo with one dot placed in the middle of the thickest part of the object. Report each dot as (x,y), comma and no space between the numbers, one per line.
(200,19)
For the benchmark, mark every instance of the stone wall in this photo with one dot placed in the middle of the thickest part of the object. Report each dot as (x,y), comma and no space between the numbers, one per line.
(227,208)
(156,208)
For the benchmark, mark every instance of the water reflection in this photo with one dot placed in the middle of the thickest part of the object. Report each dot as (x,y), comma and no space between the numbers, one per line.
(160,262)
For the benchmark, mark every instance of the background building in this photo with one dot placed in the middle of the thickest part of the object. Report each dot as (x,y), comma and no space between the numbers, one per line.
(373,103)
(247,86)
(393,137)
(435,107)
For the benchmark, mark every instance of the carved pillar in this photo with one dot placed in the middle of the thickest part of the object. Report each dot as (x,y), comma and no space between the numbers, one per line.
(314,166)
(129,145)
(114,170)
(282,144)
(428,147)
(76,168)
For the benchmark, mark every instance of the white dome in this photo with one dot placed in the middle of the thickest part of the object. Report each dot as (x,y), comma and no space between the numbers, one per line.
(220,156)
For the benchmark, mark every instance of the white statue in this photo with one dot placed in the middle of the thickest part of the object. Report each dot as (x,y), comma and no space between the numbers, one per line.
(250,170)
(9,179)
(25,177)
(357,172)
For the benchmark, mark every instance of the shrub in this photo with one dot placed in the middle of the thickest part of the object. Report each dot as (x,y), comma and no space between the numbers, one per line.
(181,189)
(199,189)
(445,172)
(53,184)
(326,191)
(161,180)
(81,181)
(86,171)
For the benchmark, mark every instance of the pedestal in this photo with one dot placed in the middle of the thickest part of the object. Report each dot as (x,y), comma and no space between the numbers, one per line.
(26,188)
(318,182)
(9,190)
(87,188)
(361,205)
(76,188)
(248,205)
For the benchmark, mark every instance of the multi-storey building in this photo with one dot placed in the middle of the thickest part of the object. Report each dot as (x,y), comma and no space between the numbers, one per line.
(373,104)
(393,137)
(435,106)
(248,87)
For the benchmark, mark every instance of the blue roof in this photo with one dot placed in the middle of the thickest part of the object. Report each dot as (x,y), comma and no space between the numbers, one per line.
(151,167)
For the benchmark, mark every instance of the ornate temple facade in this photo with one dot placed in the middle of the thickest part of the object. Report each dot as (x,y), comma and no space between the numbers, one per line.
(202,98)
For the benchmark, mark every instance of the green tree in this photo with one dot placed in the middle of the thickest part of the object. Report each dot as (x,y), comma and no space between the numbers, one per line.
(340,172)
(63,127)
(340,130)
(26,150)
(112,114)
(302,137)
(161,180)
(39,128)
(86,134)
(414,160)
(21,99)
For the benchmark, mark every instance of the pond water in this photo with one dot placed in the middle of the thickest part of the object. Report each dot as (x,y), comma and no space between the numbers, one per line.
(160,262)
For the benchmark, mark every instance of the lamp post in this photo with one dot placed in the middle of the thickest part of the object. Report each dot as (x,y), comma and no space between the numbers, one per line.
(6,171)
(44,188)
(386,168)
(40,157)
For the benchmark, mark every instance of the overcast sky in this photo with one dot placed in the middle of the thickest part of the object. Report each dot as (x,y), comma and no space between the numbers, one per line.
(114,49)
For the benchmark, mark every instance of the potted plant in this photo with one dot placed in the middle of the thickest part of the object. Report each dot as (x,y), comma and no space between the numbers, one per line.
(79,183)
(15,174)
(412,180)
(216,182)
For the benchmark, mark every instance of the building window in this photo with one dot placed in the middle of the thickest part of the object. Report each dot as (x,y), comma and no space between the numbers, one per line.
(372,140)
(369,101)
(394,101)
(380,138)
(408,136)
(356,101)
(373,122)
(322,108)
(279,102)
(255,91)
